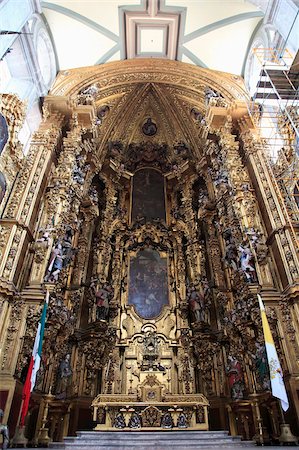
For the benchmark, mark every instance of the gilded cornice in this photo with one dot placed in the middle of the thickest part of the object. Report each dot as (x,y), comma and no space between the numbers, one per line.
(194,79)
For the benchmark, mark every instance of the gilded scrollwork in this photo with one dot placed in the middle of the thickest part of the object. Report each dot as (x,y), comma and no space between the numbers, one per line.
(69,226)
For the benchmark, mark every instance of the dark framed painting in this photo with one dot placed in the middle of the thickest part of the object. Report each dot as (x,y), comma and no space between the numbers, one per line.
(148,195)
(3,132)
(2,186)
(148,287)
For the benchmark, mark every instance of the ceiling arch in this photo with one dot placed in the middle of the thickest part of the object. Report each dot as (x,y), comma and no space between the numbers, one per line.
(109,30)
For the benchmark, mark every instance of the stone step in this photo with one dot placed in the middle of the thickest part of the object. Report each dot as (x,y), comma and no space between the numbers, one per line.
(154,440)
(136,434)
(184,445)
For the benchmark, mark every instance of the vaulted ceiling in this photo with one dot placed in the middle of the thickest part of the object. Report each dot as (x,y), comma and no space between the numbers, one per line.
(213,34)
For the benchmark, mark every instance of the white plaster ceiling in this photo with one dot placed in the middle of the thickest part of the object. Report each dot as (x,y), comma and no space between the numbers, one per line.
(209,33)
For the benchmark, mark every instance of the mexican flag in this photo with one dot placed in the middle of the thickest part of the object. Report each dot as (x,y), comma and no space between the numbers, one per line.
(34,362)
(276,378)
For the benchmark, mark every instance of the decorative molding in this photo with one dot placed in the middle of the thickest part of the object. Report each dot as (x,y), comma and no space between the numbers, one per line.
(165,22)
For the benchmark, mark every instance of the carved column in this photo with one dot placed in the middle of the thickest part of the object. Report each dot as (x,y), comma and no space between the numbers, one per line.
(242,204)
(277,222)
(104,247)
(20,211)
(193,251)
(84,242)
(214,251)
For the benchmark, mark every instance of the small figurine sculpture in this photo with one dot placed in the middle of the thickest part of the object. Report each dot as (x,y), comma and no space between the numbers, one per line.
(87,95)
(60,257)
(4,431)
(67,249)
(231,253)
(167,421)
(64,377)
(261,364)
(102,297)
(198,116)
(78,174)
(210,93)
(196,304)
(235,378)
(93,195)
(44,235)
(119,421)
(55,263)
(246,263)
(256,239)
(134,421)
(218,99)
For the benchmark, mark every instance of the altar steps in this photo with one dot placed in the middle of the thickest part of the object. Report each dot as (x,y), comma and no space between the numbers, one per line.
(153,440)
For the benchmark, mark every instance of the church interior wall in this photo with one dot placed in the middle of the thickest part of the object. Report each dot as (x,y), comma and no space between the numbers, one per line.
(220,237)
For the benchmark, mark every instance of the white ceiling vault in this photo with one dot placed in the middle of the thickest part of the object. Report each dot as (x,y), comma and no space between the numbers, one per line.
(214,34)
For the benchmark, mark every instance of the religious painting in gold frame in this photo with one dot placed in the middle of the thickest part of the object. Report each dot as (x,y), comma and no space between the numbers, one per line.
(148,285)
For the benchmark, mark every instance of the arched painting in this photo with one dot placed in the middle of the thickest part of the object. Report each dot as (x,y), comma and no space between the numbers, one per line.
(3,132)
(148,289)
(148,195)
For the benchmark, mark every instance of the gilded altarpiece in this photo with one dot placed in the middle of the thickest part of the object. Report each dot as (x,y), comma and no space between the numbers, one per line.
(152,218)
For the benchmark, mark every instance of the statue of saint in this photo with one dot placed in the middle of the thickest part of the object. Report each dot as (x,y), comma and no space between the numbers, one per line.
(235,378)
(102,301)
(119,421)
(246,263)
(55,264)
(231,254)
(196,304)
(261,364)
(167,421)
(64,377)
(134,421)
(4,431)
(182,421)
(199,301)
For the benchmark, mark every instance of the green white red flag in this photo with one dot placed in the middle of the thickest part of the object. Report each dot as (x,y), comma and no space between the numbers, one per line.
(34,362)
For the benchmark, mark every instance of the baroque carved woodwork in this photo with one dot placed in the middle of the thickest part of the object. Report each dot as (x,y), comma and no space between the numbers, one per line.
(151,216)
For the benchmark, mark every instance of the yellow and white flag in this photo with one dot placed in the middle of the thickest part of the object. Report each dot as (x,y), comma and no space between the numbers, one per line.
(276,378)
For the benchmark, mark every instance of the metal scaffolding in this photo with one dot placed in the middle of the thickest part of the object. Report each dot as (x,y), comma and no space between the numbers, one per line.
(275,109)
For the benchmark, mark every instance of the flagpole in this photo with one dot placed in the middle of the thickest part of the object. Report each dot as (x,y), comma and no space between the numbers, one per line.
(20,412)
(286,435)
(278,389)
(283,421)
(19,437)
